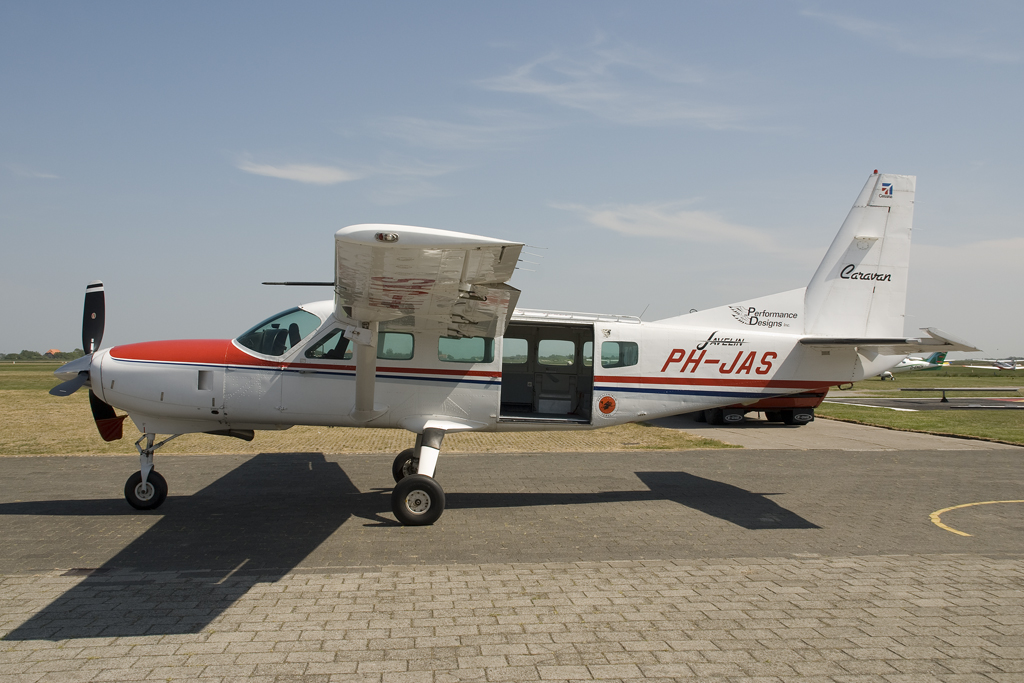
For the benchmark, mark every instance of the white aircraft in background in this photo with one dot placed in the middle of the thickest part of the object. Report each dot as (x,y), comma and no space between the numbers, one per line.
(936,360)
(423,335)
(1007,364)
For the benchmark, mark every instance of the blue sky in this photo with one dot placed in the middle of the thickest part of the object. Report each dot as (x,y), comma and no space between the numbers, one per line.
(658,156)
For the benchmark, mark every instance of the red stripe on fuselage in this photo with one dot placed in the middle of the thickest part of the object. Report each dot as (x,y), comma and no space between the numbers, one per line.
(709,381)
(224,352)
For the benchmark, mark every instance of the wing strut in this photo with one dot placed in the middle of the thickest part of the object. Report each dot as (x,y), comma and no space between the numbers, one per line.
(366,372)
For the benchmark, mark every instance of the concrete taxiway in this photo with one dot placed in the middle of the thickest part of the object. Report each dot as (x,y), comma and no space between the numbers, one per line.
(785,564)
(756,432)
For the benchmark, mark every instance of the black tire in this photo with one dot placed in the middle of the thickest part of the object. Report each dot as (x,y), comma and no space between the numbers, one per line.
(715,416)
(797,417)
(152,497)
(417,500)
(402,467)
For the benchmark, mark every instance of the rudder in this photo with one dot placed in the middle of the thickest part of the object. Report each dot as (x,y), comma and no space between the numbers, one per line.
(860,288)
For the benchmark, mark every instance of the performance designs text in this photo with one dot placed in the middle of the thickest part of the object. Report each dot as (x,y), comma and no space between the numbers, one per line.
(750,315)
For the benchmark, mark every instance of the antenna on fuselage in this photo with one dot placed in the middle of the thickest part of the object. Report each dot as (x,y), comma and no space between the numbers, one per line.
(301,284)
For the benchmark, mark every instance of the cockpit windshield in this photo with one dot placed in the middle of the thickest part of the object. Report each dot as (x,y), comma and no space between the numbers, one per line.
(277,334)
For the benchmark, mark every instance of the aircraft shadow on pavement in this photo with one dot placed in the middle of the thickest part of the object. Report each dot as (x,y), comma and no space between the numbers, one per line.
(258,522)
(729,503)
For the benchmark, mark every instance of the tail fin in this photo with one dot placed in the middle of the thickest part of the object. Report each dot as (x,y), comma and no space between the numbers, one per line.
(860,288)
(938,358)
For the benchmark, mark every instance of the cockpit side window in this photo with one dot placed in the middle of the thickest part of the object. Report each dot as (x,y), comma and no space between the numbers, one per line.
(332,347)
(276,335)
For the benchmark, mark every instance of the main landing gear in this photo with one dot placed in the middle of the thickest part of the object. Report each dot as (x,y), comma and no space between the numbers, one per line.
(147,489)
(417,499)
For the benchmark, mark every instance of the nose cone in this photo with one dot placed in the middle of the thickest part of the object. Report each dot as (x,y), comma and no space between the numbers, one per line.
(70,370)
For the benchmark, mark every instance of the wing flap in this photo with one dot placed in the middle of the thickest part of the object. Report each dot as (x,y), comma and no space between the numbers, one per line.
(411,278)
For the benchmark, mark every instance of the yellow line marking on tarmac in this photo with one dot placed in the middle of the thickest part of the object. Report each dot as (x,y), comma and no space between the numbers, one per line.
(938,513)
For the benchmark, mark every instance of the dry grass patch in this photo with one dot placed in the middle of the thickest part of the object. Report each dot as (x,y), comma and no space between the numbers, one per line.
(37,423)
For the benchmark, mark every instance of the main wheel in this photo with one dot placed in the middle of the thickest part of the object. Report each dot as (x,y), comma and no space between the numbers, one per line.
(417,500)
(798,416)
(145,497)
(403,465)
(715,416)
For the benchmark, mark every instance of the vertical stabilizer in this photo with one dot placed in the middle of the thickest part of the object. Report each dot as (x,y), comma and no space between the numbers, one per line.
(860,288)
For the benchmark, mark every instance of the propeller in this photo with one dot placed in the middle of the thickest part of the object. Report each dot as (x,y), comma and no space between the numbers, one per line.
(93,317)
(72,385)
(110,425)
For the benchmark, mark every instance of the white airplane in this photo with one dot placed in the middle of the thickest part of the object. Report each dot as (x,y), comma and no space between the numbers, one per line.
(423,334)
(936,360)
(1007,364)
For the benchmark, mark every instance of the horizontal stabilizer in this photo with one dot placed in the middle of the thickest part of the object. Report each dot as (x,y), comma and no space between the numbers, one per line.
(935,341)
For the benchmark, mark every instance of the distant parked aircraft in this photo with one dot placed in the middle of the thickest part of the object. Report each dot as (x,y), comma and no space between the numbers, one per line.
(936,360)
(1005,364)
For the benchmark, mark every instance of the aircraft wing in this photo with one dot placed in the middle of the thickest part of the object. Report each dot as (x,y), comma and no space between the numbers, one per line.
(936,340)
(423,279)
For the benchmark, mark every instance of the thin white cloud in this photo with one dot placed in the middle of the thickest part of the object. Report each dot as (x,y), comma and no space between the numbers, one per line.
(392,165)
(620,83)
(672,221)
(303,173)
(489,130)
(29,173)
(405,190)
(918,41)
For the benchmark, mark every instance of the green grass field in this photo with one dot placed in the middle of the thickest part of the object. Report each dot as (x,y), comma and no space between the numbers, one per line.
(1000,425)
(951,376)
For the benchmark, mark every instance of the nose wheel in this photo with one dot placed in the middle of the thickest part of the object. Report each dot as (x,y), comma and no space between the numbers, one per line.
(146,489)
(145,496)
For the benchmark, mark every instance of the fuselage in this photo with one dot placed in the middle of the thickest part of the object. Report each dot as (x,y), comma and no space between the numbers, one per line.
(548,371)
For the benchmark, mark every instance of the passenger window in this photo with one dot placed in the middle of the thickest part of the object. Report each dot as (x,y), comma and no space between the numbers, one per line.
(619,354)
(465,350)
(556,352)
(514,351)
(276,335)
(588,354)
(332,347)
(395,345)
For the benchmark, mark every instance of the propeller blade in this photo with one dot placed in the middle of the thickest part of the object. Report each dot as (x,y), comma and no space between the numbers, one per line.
(71,386)
(93,317)
(109,423)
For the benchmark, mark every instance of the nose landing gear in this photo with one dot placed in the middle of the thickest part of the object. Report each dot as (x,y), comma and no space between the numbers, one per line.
(147,495)
(147,489)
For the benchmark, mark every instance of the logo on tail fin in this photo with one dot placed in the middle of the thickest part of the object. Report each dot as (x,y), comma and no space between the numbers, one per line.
(886,189)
